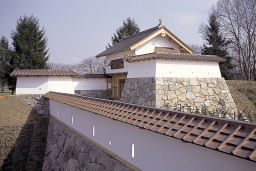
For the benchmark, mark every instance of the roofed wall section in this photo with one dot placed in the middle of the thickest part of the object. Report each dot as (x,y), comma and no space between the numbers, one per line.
(124,129)
(30,82)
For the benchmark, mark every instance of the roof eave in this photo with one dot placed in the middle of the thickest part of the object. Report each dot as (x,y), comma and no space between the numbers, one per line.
(180,42)
(107,54)
(139,60)
(169,33)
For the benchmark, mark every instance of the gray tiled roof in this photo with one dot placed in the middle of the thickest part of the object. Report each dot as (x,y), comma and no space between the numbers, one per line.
(128,41)
(173,56)
(42,72)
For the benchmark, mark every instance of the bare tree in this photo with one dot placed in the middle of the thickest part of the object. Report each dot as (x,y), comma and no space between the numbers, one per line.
(196,48)
(88,66)
(238,21)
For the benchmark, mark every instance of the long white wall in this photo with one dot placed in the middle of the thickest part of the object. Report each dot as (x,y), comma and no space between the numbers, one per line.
(32,85)
(158,41)
(173,68)
(152,151)
(90,84)
(42,85)
(61,84)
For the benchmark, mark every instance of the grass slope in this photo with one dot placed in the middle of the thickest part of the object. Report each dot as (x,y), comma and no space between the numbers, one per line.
(244,95)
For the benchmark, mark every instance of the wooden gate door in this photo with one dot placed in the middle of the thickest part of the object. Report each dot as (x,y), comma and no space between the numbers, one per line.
(121,86)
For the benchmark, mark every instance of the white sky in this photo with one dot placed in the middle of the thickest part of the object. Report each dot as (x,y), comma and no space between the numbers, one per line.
(80,29)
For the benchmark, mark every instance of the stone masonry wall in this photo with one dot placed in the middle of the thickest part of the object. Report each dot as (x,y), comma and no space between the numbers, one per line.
(139,91)
(66,150)
(197,95)
(37,102)
(104,94)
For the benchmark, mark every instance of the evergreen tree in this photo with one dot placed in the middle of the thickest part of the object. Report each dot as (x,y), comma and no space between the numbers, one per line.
(29,47)
(217,45)
(4,58)
(128,28)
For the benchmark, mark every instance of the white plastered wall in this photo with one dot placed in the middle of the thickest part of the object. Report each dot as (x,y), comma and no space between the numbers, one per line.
(90,83)
(120,55)
(142,69)
(158,41)
(42,85)
(32,85)
(152,151)
(173,68)
(187,69)
(61,84)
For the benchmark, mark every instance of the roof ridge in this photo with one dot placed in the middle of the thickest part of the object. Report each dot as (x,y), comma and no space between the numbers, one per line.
(43,72)
(141,32)
(134,35)
(125,43)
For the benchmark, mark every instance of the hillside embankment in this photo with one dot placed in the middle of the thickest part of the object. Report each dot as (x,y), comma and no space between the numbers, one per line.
(244,95)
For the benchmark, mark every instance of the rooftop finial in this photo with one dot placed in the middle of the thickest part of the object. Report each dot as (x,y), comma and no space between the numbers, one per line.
(160,22)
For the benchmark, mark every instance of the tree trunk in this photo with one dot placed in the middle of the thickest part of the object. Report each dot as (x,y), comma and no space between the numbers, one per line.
(2,87)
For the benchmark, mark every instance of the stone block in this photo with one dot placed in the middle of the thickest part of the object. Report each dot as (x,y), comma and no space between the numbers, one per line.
(207,103)
(194,81)
(204,86)
(190,95)
(210,91)
(182,97)
(182,90)
(196,89)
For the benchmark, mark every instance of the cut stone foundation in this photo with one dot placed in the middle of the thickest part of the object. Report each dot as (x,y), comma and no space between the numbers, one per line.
(196,95)
(37,102)
(66,150)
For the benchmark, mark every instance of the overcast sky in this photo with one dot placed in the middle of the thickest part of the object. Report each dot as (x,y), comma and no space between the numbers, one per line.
(78,29)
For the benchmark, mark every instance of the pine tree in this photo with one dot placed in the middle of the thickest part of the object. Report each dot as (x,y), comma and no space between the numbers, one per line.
(128,28)
(217,45)
(4,53)
(29,47)
(4,58)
